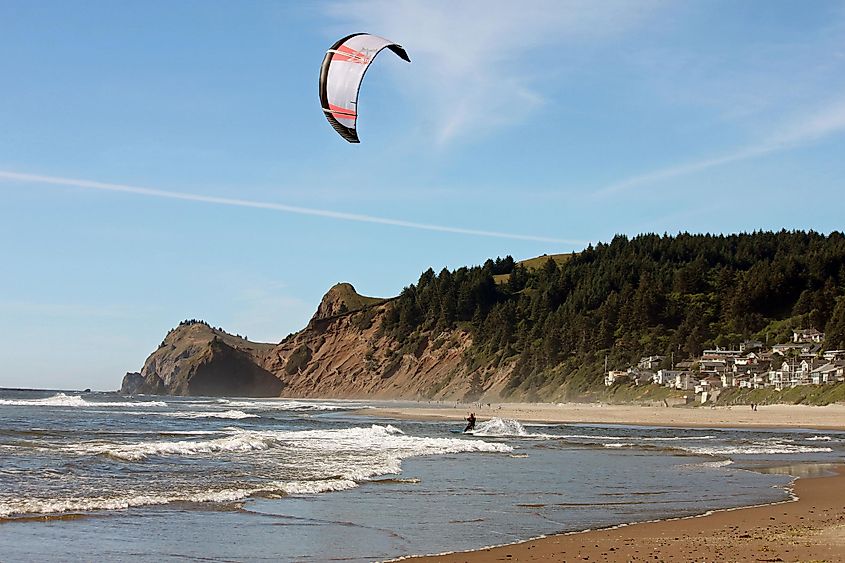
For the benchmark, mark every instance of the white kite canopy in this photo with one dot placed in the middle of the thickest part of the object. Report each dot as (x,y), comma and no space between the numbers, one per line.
(343,70)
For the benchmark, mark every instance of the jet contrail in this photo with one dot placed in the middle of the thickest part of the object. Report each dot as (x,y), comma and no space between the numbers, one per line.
(150,192)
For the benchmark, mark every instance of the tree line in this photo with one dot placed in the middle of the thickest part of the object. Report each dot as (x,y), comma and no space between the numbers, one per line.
(651,294)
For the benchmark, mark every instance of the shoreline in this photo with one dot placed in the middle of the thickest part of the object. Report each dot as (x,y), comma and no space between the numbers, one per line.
(830,417)
(809,526)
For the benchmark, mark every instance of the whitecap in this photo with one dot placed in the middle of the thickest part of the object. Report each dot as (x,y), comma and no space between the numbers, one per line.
(500,427)
(243,442)
(62,400)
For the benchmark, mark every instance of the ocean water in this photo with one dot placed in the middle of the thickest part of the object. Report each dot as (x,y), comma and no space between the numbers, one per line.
(93,476)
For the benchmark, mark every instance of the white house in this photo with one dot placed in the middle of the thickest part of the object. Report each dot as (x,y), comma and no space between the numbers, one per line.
(685,381)
(642,377)
(666,377)
(650,362)
(833,372)
(831,355)
(807,335)
(712,365)
(615,375)
(721,353)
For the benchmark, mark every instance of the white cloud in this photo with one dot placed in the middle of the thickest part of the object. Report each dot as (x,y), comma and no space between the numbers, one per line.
(471,57)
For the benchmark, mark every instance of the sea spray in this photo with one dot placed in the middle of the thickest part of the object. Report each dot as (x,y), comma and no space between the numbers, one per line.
(500,427)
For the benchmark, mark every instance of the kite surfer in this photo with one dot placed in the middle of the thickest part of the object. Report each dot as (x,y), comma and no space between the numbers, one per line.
(470,422)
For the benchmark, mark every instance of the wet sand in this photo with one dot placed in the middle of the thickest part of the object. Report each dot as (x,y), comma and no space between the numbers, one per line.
(811,528)
(831,417)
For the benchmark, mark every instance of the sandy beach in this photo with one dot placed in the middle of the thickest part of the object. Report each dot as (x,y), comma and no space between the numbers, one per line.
(811,528)
(831,417)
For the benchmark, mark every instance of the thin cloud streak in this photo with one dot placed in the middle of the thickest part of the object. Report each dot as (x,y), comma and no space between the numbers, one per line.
(824,123)
(233,202)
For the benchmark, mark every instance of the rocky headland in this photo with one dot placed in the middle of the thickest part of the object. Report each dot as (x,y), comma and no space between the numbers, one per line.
(342,352)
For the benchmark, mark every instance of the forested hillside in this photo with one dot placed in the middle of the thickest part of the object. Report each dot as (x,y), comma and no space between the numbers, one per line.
(667,295)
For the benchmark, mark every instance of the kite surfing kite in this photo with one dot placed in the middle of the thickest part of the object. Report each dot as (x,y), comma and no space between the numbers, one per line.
(343,70)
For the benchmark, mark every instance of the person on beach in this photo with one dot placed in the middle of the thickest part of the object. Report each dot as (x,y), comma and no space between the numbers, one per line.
(470,422)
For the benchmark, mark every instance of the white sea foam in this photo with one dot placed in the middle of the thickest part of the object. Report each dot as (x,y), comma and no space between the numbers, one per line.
(819,439)
(296,406)
(500,427)
(388,439)
(231,414)
(314,487)
(19,507)
(757,448)
(642,438)
(324,460)
(243,442)
(62,400)
(714,464)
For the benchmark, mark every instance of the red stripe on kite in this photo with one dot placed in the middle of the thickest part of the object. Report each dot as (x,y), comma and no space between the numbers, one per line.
(348,54)
(338,109)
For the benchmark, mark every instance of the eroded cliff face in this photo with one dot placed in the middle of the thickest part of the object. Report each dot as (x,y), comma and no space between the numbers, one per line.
(195,359)
(342,353)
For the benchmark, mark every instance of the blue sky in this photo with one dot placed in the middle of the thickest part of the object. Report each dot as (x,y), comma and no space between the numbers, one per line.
(169,160)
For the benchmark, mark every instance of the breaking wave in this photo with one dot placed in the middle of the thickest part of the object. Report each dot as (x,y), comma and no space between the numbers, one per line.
(500,427)
(21,507)
(388,439)
(295,406)
(315,461)
(243,442)
(62,400)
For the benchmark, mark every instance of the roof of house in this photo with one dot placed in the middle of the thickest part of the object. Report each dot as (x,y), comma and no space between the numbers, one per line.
(807,332)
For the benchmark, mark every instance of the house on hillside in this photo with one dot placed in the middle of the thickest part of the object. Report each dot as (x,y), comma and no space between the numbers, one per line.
(615,376)
(750,345)
(757,380)
(650,362)
(793,373)
(829,373)
(803,349)
(832,355)
(807,335)
(712,365)
(721,353)
(642,377)
(685,381)
(708,384)
(748,359)
(666,377)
